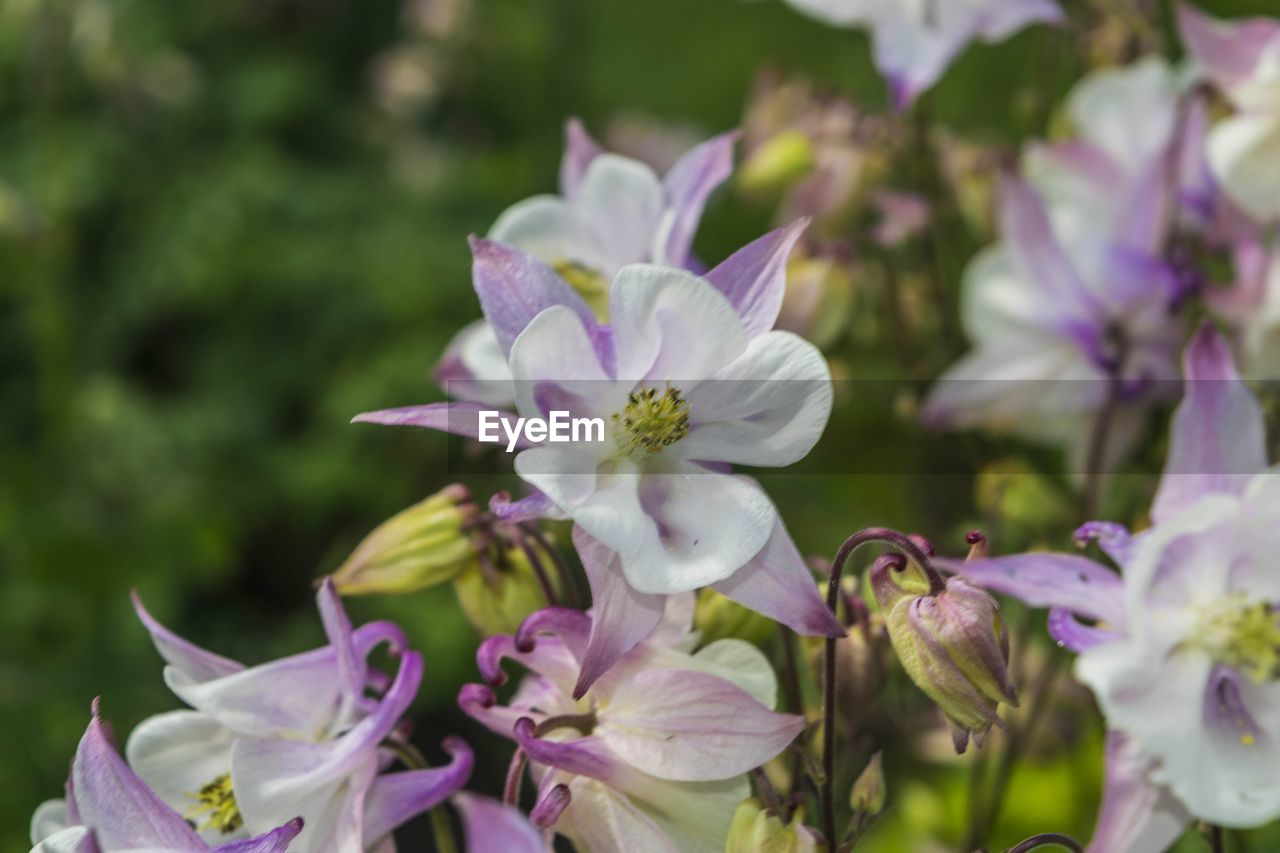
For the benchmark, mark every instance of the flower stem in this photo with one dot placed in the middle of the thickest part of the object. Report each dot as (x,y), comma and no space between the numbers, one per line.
(441,831)
(540,570)
(1046,838)
(915,553)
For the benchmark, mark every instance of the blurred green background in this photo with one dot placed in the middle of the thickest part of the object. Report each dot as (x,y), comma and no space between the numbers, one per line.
(226,228)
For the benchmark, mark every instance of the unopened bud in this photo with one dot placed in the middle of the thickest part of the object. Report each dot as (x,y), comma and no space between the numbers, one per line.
(755,830)
(422,546)
(952,644)
(498,594)
(868,794)
(719,618)
(777,163)
(818,296)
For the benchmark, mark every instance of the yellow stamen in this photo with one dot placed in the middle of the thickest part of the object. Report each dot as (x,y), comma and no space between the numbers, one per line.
(590,284)
(651,421)
(216,804)
(1243,636)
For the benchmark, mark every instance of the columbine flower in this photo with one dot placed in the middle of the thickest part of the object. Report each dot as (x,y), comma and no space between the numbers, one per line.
(689,379)
(1184,657)
(1242,58)
(950,640)
(1078,288)
(611,211)
(109,809)
(915,40)
(654,755)
(302,735)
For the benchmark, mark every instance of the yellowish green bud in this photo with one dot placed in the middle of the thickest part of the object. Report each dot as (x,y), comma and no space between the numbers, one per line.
(719,618)
(423,546)
(952,644)
(497,597)
(1012,491)
(777,163)
(868,793)
(755,830)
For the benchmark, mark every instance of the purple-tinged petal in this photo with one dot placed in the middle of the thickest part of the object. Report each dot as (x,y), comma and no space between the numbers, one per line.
(1035,250)
(1003,18)
(73,839)
(197,663)
(777,583)
(276,775)
(550,806)
(622,617)
(587,756)
(515,287)
(480,703)
(1225,709)
(123,812)
(548,657)
(1043,579)
(1136,815)
(491,826)
(275,841)
(456,418)
(1228,50)
(1114,539)
(571,627)
(754,278)
(689,726)
(396,797)
(1073,635)
(687,186)
(579,150)
(352,671)
(531,508)
(1218,438)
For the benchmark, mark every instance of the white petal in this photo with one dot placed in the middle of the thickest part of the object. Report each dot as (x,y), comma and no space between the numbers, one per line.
(669,324)
(1127,111)
(769,407)
(50,817)
(177,754)
(743,664)
(599,818)
(621,201)
(1243,152)
(74,839)
(547,227)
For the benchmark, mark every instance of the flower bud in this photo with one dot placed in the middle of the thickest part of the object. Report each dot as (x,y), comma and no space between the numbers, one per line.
(868,794)
(819,294)
(755,830)
(952,644)
(719,618)
(777,163)
(422,546)
(496,595)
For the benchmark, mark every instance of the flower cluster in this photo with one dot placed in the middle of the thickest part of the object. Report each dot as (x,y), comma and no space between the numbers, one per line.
(648,715)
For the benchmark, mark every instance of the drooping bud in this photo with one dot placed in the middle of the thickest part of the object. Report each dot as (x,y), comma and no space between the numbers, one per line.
(868,794)
(498,592)
(756,830)
(952,644)
(423,546)
(720,618)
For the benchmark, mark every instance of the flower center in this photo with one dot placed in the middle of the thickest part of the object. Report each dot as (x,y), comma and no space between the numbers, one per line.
(590,284)
(215,807)
(651,421)
(1243,636)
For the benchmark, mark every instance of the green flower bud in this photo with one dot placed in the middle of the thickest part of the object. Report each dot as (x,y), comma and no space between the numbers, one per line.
(952,644)
(755,830)
(496,596)
(422,546)
(868,794)
(719,618)
(778,162)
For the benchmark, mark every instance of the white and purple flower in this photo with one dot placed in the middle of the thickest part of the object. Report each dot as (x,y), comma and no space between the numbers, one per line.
(655,755)
(1182,649)
(612,211)
(108,809)
(305,736)
(690,379)
(915,41)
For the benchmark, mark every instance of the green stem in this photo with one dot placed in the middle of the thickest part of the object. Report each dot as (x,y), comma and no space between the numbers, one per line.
(441,831)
